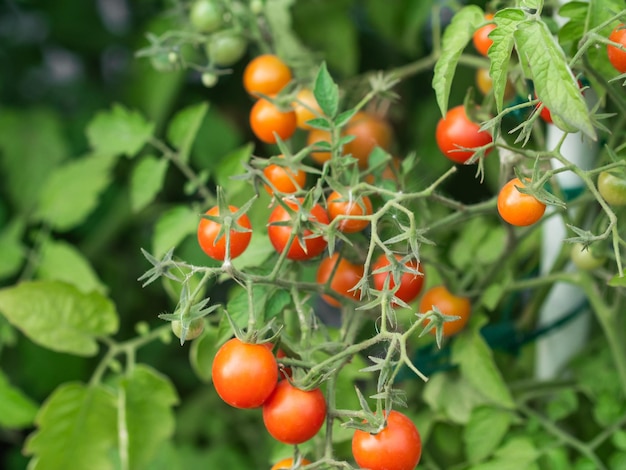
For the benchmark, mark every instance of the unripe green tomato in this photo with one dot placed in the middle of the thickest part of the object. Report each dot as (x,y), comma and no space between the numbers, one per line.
(206,16)
(612,188)
(256,6)
(584,259)
(196,327)
(161,62)
(226,48)
(209,80)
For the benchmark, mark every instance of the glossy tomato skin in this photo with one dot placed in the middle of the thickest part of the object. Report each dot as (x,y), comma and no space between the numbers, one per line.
(244,374)
(287,464)
(410,284)
(206,16)
(617,57)
(345,275)
(306,108)
(266,119)
(284,179)
(266,74)
(517,208)
(208,230)
(369,131)
(448,304)
(338,206)
(397,447)
(279,234)
(456,131)
(612,188)
(293,416)
(319,135)
(481,39)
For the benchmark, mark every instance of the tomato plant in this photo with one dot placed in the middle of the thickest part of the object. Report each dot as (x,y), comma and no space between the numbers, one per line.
(411,280)
(283,179)
(195,329)
(612,188)
(482,41)
(343,276)
(304,244)
(306,108)
(369,131)
(397,446)
(268,121)
(319,135)
(345,209)
(292,415)
(456,133)
(213,240)
(519,208)
(206,15)
(617,56)
(447,303)
(584,258)
(238,365)
(266,74)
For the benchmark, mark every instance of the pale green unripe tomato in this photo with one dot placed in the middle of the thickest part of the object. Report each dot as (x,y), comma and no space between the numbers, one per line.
(584,258)
(206,16)
(196,327)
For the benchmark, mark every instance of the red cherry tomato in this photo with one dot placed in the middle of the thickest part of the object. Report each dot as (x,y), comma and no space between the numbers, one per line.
(279,235)
(266,74)
(410,284)
(481,39)
(398,446)
(293,416)
(266,120)
(455,131)
(448,304)
(617,57)
(208,230)
(244,375)
(517,208)
(284,179)
(338,206)
(345,275)
(369,131)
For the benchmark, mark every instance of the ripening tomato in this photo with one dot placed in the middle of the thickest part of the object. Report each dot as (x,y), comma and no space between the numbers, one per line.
(283,179)
(206,16)
(410,284)
(345,276)
(287,464)
(292,415)
(306,108)
(319,135)
(455,131)
(369,131)
(208,231)
(481,39)
(340,206)
(448,304)
(266,74)
(244,374)
(517,208)
(612,188)
(617,57)
(226,48)
(267,121)
(280,234)
(584,258)
(485,84)
(398,446)
(195,329)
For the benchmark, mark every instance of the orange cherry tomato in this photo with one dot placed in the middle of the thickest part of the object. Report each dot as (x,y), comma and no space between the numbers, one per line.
(518,208)
(319,135)
(369,131)
(266,120)
(208,231)
(448,304)
(284,179)
(481,39)
(306,108)
(287,464)
(410,284)
(338,206)
(617,57)
(345,275)
(266,74)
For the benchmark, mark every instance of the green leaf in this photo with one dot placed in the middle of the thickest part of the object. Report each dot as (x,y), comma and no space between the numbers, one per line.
(61,261)
(172,228)
(476,363)
(71,192)
(326,92)
(518,453)
(484,432)
(58,316)
(231,165)
(31,146)
(562,404)
(17,411)
(76,429)
(573,30)
(146,181)
(119,132)
(184,127)
(500,51)
(12,252)
(202,352)
(554,82)
(455,38)
(145,417)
